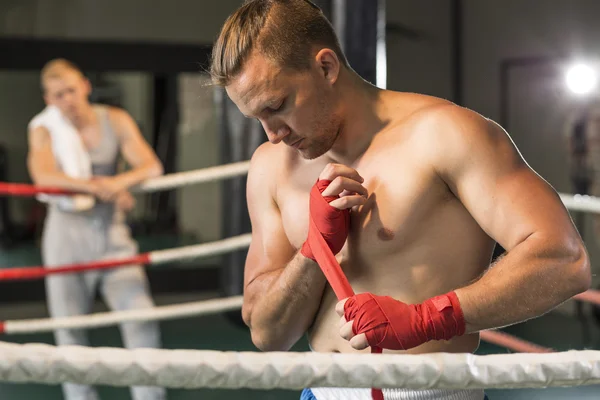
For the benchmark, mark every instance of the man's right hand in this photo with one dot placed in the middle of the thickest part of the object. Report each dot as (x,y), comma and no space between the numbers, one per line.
(338,189)
(106,188)
(123,199)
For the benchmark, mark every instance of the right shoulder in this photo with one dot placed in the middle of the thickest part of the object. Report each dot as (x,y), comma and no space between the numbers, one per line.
(38,135)
(267,153)
(261,174)
(270,169)
(268,164)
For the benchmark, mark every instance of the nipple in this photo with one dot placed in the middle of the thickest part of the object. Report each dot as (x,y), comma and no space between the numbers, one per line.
(385,234)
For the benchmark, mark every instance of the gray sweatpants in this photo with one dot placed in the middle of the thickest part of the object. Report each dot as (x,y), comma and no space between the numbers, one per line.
(72,238)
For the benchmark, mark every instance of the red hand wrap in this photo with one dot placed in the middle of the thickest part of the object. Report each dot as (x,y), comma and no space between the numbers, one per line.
(329,222)
(394,325)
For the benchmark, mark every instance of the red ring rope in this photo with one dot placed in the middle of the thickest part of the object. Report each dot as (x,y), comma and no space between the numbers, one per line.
(27,273)
(513,343)
(22,189)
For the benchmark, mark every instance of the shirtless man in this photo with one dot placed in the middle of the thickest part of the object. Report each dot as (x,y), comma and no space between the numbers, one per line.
(430,185)
(99,232)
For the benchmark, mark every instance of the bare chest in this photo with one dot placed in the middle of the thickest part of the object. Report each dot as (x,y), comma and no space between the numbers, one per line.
(400,200)
(91,136)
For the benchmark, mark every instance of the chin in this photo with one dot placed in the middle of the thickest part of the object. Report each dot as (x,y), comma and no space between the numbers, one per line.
(311,154)
(69,113)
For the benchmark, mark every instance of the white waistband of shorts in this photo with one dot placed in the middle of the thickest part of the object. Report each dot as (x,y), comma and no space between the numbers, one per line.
(397,394)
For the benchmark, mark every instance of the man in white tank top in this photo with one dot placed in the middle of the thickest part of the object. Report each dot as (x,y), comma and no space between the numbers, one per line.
(98,231)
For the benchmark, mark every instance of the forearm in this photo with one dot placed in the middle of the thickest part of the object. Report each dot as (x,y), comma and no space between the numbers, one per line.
(529,281)
(139,174)
(62,181)
(283,309)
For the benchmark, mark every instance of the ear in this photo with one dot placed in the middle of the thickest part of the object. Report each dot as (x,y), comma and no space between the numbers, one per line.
(47,98)
(329,64)
(87,86)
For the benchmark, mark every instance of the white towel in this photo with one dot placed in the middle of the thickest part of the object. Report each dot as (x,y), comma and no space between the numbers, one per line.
(70,154)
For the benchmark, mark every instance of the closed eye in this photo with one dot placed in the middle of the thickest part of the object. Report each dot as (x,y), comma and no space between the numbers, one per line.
(277,108)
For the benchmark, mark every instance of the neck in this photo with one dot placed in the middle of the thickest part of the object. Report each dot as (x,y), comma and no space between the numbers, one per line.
(84,119)
(361,118)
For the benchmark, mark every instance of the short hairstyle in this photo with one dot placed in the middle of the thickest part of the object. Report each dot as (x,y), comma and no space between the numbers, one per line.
(284,31)
(55,68)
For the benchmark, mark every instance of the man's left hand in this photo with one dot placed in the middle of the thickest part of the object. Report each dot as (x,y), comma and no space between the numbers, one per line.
(358,342)
(381,321)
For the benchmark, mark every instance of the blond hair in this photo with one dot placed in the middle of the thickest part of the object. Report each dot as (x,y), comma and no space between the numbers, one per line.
(55,69)
(284,31)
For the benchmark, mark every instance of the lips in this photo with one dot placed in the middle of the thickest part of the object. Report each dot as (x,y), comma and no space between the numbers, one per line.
(296,144)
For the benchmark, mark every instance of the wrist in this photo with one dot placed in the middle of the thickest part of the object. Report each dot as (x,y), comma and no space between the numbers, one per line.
(124,181)
(88,187)
(136,176)
(443,317)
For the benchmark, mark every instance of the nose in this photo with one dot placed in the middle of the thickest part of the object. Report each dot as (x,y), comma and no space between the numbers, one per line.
(276,133)
(68,98)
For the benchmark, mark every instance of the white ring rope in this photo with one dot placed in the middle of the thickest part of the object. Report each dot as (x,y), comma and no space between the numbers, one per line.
(201,250)
(580,202)
(186,310)
(179,179)
(191,369)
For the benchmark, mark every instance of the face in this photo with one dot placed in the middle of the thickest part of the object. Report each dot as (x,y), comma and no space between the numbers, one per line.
(296,108)
(69,92)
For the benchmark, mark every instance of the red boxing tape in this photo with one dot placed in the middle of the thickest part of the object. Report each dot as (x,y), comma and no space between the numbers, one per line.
(394,325)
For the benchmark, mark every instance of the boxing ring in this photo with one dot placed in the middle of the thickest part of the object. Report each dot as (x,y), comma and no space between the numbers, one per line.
(533,366)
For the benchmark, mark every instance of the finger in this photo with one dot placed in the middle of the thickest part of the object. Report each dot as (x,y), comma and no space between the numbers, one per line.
(348,202)
(332,171)
(359,342)
(107,196)
(341,183)
(346,331)
(349,193)
(104,196)
(110,191)
(100,183)
(339,307)
(342,322)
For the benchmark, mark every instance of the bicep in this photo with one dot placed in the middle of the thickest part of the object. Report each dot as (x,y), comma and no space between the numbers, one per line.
(503,194)
(270,249)
(135,149)
(40,158)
